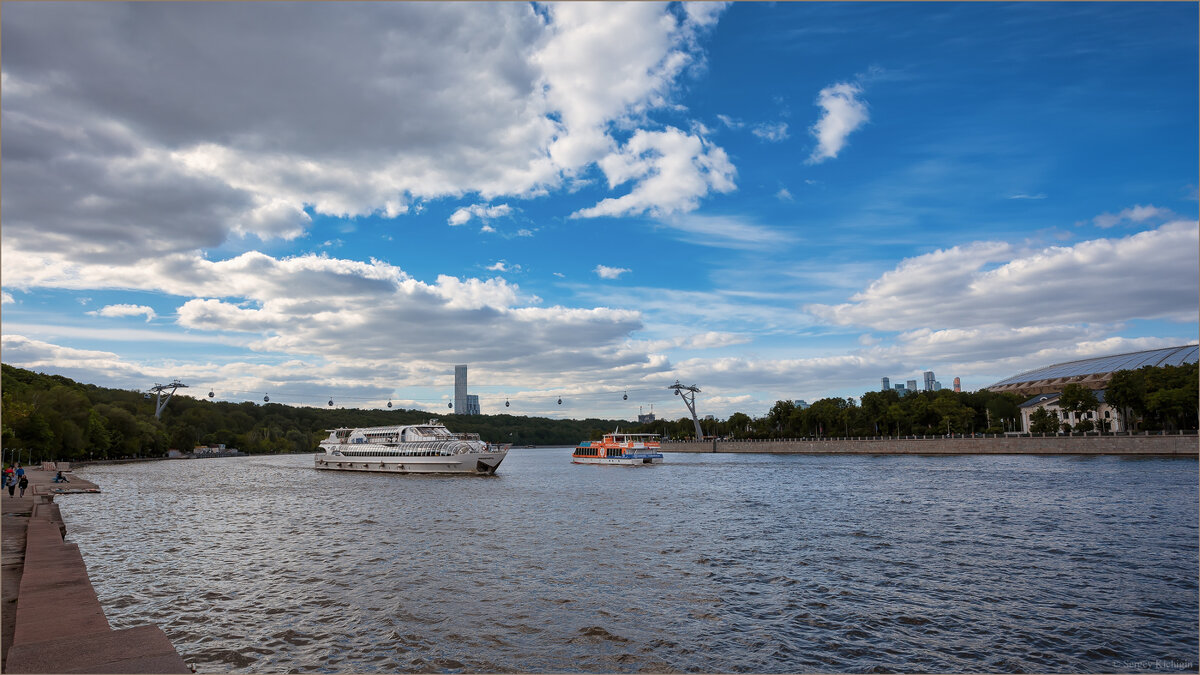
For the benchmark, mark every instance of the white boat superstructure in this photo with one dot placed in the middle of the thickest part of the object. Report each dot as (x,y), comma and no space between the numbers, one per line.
(414,448)
(619,448)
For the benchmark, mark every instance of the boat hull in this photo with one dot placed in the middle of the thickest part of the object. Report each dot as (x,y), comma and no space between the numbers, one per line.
(620,461)
(468,463)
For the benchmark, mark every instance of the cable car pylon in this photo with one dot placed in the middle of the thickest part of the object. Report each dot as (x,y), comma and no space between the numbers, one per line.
(158,389)
(689,399)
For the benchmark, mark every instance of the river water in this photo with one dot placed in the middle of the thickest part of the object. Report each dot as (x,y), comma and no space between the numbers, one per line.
(706,563)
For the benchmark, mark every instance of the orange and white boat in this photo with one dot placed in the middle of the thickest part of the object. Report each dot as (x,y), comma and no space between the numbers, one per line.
(619,448)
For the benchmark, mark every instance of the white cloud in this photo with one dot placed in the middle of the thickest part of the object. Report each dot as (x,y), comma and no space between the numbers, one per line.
(784,195)
(427,101)
(1134,214)
(715,339)
(125,310)
(503,266)
(32,354)
(6,298)
(605,272)
(481,211)
(611,61)
(1039,195)
(771,132)
(731,122)
(1102,280)
(728,232)
(672,171)
(842,113)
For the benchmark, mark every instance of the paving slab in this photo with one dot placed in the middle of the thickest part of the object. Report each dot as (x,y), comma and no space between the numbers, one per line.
(144,649)
(51,620)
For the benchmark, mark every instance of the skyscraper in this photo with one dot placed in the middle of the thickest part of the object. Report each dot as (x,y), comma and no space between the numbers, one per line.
(912,385)
(472,404)
(957,385)
(929,380)
(887,383)
(460,390)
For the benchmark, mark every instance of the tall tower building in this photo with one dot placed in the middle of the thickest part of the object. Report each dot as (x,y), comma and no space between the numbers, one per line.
(912,385)
(472,404)
(886,382)
(460,390)
(957,385)
(929,380)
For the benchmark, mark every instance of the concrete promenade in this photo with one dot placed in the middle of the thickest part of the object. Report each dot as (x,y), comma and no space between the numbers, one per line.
(1176,445)
(52,621)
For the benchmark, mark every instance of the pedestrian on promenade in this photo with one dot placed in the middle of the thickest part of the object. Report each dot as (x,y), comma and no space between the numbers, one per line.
(20,472)
(12,486)
(23,483)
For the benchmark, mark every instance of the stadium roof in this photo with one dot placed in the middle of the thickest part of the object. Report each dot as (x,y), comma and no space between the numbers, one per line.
(1093,373)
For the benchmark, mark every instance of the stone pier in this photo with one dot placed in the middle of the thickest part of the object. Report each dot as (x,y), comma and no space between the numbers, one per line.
(52,619)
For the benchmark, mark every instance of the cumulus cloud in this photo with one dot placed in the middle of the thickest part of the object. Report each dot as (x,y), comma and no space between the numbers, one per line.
(842,113)
(1133,214)
(606,272)
(503,266)
(173,128)
(992,283)
(47,357)
(125,310)
(481,211)
(671,171)
(6,298)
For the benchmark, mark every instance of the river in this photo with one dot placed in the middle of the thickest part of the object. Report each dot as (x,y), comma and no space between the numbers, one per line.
(706,563)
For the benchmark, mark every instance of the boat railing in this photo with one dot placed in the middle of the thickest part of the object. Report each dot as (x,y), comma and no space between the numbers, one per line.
(466,436)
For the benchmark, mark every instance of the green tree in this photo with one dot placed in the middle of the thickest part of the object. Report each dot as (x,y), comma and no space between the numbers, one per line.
(98,438)
(779,416)
(1043,421)
(738,424)
(953,416)
(1079,400)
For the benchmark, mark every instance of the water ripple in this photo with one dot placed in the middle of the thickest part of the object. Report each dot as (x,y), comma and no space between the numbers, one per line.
(739,563)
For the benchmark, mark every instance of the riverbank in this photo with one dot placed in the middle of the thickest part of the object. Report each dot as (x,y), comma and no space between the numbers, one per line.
(52,619)
(1150,445)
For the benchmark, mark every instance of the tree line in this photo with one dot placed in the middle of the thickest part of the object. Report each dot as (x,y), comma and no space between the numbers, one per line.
(52,417)
(1152,398)
(879,413)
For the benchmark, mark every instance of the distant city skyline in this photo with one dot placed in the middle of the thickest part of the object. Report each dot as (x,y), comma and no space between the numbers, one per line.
(587,202)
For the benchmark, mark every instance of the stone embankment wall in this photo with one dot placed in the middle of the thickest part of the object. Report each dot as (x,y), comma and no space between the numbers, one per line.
(1188,445)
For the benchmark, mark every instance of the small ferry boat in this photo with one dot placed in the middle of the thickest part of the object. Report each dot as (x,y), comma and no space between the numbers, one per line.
(415,448)
(619,448)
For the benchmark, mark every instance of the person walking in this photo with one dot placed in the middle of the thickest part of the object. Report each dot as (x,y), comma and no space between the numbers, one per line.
(12,485)
(23,483)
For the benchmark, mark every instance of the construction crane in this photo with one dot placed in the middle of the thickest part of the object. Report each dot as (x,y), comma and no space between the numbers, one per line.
(689,399)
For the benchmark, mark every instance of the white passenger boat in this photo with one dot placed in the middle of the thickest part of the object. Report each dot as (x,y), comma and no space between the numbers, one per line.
(619,448)
(416,448)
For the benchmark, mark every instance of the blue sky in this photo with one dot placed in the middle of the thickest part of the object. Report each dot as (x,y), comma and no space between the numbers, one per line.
(767,200)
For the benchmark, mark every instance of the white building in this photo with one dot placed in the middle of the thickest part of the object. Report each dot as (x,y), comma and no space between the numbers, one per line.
(1105,417)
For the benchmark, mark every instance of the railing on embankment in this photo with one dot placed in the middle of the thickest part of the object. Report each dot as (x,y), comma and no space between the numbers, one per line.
(1186,444)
